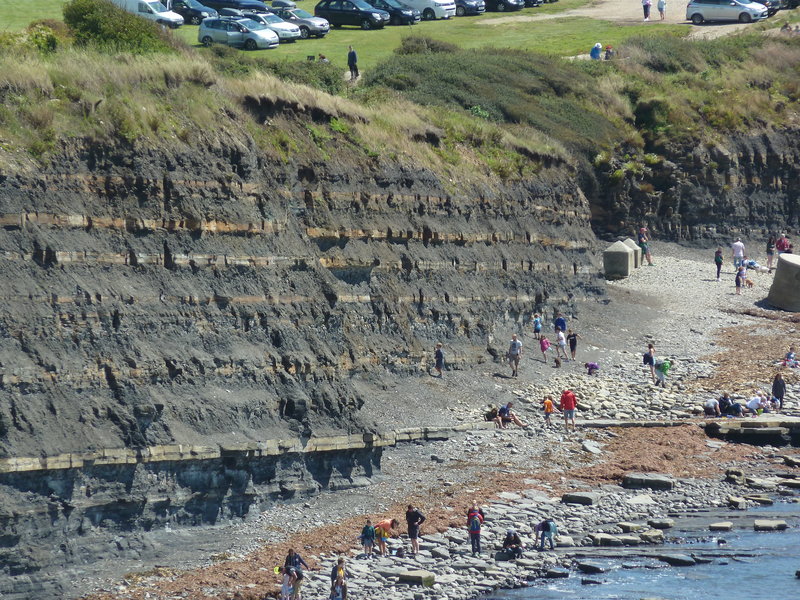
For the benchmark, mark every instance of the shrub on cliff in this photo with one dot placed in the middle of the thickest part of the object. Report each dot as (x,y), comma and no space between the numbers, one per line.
(101,24)
(420,44)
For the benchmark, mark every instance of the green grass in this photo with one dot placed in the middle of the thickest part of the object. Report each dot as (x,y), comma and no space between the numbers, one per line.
(562,37)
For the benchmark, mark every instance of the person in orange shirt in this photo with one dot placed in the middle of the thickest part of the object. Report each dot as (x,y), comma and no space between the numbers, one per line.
(383,531)
(549,409)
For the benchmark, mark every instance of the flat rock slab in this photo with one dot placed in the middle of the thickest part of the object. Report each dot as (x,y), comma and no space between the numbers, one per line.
(564,541)
(629,540)
(605,539)
(590,568)
(653,481)
(591,447)
(587,581)
(763,500)
(737,502)
(792,461)
(791,483)
(661,523)
(417,577)
(585,498)
(641,500)
(677,560)
(770,525)
(629,527)
(721,526)
(556,573)
(653,536)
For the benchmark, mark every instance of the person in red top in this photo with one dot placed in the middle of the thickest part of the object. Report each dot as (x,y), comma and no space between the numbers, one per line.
(568,403)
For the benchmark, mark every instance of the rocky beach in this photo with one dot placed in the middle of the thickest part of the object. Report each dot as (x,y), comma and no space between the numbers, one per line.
(585,480)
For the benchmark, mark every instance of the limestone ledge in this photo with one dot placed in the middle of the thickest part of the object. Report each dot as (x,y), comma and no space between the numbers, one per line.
(179,452)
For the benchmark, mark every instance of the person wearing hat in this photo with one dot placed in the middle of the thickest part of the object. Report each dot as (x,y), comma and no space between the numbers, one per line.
(644,244)
(513,544)
(594,53)
(609,53)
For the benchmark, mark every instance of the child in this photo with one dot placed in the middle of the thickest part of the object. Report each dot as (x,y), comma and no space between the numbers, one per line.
(549,409)
(791,358)
(286,589)
(537,326)
(562,345)
(741,275)
(591,368)
(368,538)
(544,344)
(438,356)
(662,370)
(718,260)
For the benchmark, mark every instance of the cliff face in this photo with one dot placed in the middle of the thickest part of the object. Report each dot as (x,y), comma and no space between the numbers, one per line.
(153,297)
(747,183)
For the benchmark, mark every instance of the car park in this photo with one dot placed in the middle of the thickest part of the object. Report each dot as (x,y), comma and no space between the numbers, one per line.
(240,33)
(504,5)
(308,24)
(351,12)
(243,5)
(470,7)
(433,9)
(192,11)
(399,13)
(700,11)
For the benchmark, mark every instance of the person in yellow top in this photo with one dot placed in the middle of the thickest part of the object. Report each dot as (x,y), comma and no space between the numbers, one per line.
(339,581)
(549,408)
(383,531)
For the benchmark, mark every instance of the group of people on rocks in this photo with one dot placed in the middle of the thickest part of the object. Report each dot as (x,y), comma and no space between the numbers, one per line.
(742,263)
(505,416)
(760,402)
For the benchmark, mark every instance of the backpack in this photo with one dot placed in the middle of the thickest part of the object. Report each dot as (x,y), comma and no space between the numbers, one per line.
(475,524)
(644,358)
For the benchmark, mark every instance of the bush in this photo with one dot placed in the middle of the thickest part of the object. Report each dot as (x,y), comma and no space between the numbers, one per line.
(101,24)
(418,44)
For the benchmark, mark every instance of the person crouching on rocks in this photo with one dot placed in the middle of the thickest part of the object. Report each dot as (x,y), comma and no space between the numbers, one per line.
(513,544)
(383,531)
(591,368)
(662,370)
(474,523)
(505,416)
(367,538)
(547,529)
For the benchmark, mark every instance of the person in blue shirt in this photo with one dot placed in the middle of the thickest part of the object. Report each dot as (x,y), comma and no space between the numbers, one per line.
(560,323)
(596,51)
(352,63)
(293,559)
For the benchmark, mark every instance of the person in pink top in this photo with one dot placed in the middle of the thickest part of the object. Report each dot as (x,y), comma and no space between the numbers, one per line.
(568,404)
(544,345)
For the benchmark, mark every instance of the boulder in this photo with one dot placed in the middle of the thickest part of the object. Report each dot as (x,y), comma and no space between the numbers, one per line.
(652,536)
(417,577)
(618,261)
(791,483)
(442,553)
(769,525)
(591,447)
(629,540)
(586,498)
(564,541)
(792,461)
(629,527)
(556,573)
(653,481)
(785,289)
(721,526)
(677,560)
(587,581)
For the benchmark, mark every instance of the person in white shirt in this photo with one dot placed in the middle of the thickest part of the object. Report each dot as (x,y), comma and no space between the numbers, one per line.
(561,348)
(738,252)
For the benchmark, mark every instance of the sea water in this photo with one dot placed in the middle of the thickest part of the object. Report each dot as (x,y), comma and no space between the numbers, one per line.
(762,565)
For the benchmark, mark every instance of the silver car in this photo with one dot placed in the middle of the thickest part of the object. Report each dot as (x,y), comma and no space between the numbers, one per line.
(309,24)
(699,11)
(241,33)
(287,32)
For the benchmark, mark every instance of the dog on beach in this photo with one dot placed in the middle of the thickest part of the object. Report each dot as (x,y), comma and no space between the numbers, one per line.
(557,362)
(749,283)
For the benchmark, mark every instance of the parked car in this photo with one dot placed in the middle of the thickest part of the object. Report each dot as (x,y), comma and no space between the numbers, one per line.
(433,9)
(470,7)
(241,33)
(287,32)
(307,23)
(504,5)
(351,12)
(773,6)
(283,4)
(399,13)
(243,5)
(153,10)
(533,3)
(699,11)
(192,11)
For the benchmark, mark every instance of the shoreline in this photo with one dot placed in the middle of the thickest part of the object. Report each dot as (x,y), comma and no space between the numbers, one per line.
(477,466)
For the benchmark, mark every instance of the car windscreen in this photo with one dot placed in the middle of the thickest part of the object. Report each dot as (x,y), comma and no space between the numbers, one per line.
(393,4)
(270,18)
(195,5)
(252,25)
(157,7)
(301,14)
(362,5)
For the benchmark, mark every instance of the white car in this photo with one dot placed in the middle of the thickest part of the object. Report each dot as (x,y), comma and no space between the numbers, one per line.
(287,32)
(433,9)
(153,10)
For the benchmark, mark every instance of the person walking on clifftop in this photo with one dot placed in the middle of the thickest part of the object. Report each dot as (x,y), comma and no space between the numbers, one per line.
(352,63)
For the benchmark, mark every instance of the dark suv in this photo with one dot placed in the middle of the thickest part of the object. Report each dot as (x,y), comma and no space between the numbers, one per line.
(248,5)
(192,11)
(351,12)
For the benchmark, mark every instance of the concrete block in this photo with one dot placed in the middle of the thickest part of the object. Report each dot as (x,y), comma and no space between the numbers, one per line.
(785,289)
(618,261)
(637,252)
